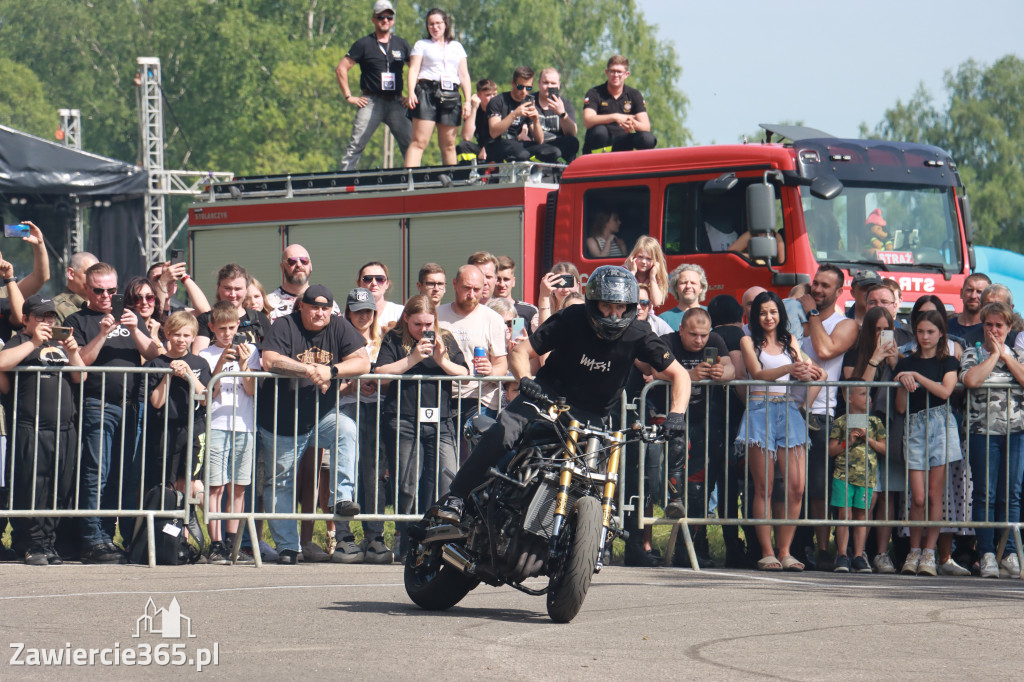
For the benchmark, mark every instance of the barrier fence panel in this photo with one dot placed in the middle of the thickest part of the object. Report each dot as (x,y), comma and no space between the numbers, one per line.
(921,468)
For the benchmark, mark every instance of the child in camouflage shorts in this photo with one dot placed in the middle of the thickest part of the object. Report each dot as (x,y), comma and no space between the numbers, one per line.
(855,439)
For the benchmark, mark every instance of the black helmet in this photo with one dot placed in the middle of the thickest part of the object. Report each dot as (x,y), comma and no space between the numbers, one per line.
(611,284)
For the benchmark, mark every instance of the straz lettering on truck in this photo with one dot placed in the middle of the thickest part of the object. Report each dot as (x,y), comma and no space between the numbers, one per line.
(765,214)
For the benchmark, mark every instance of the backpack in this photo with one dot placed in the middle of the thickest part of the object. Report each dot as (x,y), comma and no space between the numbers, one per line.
(172,547)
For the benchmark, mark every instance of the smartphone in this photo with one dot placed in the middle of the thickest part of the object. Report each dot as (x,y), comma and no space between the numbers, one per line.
(565,281)
(518,324)
(429,335)
(554,92)
(885,337)
(177,256)
(17,231)
(117,307)
(856,421)
(240,338)
(60,333)
(710,355)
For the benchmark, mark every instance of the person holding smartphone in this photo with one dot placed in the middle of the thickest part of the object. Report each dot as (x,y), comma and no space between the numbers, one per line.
(557,116)
(513,116)
(417,346)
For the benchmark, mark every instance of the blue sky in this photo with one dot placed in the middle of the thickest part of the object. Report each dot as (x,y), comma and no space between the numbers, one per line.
(832,65)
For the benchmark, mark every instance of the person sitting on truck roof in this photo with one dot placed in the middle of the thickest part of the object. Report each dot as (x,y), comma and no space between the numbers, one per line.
(476,125)
(381,56)
(513,116)
(604,241)
(557,116)
(437,71)
(615,115)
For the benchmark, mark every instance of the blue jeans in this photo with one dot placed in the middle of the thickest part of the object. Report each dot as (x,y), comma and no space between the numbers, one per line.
(994,462)
(102,452)
(377,110)
(334,432)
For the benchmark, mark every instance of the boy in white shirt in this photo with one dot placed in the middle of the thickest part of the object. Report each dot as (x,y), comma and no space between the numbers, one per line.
(232,414)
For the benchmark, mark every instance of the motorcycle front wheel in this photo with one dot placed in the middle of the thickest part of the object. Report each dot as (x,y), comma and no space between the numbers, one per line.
(433,585)
(568,589)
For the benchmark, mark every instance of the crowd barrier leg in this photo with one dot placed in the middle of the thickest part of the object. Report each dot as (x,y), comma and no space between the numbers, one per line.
(681,527)
(151,539)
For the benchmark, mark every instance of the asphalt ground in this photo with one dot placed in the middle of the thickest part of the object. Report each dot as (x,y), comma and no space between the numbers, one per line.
(316,620)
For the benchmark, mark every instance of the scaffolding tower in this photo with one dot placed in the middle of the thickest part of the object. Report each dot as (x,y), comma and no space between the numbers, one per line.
(71,135)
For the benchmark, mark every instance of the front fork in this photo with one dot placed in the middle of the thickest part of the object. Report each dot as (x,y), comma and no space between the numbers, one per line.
(572,448)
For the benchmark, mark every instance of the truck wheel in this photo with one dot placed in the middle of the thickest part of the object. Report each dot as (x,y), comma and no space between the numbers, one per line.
(568,589)
(433,585)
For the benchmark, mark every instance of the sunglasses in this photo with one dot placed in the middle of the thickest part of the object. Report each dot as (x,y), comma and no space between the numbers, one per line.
(295,261)
(528,88)
(385,17)
(433,285)
(148,298)
(100,291)
(379,279)
(645,304)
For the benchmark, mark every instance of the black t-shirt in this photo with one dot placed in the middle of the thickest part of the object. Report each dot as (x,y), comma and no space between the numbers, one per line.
(690,359)
(177,403)
(483,127)
(930,368)
(587,370)
(391,350)
(7,329)
(501,106)
(375,58)
(630,102)
(254,324)
(119,350)
(327,346)
(731,335)
(54,388)
(550,121)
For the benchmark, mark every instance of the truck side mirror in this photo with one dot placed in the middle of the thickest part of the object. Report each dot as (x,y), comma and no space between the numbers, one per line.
(764,248)
(760,210)
(826,187)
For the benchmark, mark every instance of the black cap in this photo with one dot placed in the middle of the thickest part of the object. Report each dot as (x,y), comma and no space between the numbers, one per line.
(863,278)
(360,299)
(317,291)
(38,306)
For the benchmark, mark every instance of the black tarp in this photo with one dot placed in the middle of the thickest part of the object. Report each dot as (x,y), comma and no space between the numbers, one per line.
(47,174)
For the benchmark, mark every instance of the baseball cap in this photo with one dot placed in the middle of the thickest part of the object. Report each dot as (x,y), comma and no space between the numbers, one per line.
(38,306)
(360,299)
(382,6)
(317,291)
(863,278)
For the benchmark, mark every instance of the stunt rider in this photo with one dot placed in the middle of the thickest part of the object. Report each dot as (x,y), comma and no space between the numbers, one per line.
(592,348)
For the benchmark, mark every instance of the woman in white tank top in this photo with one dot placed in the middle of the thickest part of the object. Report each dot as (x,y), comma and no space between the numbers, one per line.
(773,430)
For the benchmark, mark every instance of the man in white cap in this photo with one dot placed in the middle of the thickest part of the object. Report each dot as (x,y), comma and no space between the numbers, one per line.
(381,56)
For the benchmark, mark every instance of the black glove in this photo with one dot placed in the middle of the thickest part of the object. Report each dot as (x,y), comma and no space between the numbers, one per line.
(675,425)
(530,388)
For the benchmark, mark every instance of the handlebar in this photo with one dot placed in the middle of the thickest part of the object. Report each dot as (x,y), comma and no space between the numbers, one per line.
(552,409)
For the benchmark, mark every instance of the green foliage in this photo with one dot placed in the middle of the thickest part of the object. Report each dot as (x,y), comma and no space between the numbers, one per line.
(980,125)
(249,85)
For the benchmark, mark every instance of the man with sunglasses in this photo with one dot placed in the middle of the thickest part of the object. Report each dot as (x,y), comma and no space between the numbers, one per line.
(110,406)
(296,267)
(615,115)
(381,56)
(514,124)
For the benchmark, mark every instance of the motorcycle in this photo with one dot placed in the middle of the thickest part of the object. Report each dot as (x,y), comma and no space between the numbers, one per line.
(546,510)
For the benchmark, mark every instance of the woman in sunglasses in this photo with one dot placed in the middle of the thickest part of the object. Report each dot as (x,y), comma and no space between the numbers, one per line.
(374,278)
(140,296)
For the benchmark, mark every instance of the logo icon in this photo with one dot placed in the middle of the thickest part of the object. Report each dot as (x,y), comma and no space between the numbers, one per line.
(164,622)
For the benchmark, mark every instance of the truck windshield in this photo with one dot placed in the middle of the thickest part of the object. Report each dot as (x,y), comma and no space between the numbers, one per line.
(897,225)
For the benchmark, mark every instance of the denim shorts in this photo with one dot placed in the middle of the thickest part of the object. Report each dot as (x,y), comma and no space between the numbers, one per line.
(229,457)
(771,425)
(932,438)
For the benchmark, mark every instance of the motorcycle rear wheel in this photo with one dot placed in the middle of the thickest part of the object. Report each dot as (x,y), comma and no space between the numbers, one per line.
(568,590)
(434,585)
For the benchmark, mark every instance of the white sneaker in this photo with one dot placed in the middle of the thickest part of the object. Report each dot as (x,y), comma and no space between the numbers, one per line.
(883,563)
(952,568)
(911,564)
(989,567)
(927,564)
(1009,567)
(312,553)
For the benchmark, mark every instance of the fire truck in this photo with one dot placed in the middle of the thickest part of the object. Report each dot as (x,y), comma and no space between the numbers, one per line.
(766,213)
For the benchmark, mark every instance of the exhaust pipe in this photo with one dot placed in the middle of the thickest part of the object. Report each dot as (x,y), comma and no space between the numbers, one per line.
(455,557)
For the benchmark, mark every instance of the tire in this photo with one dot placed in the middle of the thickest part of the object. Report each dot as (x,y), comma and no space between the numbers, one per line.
(568,590)
(434,585)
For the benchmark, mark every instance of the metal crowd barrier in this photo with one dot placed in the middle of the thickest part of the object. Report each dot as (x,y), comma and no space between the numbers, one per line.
(738,454)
